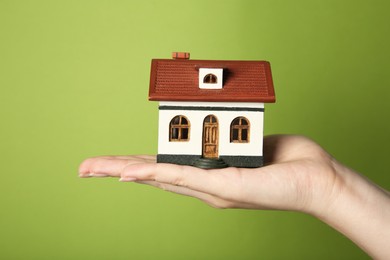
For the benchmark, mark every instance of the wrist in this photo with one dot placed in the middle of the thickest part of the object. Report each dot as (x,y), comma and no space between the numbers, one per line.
(360,210)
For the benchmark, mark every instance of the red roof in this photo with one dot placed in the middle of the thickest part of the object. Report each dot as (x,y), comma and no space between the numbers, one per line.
(243,81)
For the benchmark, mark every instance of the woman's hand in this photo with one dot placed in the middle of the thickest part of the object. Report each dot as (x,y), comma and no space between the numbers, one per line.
(299,175)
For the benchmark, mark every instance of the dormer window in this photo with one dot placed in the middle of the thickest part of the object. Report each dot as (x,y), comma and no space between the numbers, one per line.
(210,78)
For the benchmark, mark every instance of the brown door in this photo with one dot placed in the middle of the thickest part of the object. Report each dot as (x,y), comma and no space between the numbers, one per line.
(210,137)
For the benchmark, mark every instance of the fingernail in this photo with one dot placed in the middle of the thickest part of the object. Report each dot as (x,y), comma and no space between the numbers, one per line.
(127,179)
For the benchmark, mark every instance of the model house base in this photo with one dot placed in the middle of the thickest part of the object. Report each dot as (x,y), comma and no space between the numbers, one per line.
(221,162)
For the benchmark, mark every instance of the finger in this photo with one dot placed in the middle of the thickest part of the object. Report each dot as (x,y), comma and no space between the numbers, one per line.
(262,188)
(287,148)
(151,158)
(213,182)
(108,166)
(211,200)
(207,198)
(277,148)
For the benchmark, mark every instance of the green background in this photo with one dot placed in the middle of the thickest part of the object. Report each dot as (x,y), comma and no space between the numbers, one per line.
(74,81)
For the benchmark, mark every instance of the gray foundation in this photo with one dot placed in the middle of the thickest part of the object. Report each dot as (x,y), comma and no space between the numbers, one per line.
(231,161)
(243,161)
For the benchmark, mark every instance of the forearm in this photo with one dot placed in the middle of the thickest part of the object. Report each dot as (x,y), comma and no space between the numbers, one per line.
(361,211)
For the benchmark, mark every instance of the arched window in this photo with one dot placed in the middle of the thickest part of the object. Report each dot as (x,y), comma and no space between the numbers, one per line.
(210,79)
(179,129)
(239,130)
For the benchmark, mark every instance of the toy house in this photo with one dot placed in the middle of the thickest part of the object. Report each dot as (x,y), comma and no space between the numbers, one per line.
(210,111)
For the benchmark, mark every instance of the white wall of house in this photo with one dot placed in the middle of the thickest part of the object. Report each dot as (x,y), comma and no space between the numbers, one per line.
(225,118)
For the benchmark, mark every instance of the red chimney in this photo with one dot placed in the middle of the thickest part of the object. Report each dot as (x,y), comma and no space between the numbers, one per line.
(181,55)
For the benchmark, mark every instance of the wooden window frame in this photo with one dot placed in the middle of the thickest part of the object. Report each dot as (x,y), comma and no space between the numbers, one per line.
(239,128)
(180,127)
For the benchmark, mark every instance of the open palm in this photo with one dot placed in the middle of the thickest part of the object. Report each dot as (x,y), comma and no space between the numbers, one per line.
(298,175)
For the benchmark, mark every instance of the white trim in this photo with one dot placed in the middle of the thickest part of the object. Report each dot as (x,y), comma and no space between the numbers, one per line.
(212,104)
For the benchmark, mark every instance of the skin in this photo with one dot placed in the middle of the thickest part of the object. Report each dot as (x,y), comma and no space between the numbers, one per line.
(299,176)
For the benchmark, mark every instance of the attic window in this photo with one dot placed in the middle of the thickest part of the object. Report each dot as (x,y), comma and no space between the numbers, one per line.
(210,79)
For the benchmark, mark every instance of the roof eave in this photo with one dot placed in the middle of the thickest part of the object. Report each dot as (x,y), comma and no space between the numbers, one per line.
(269,99)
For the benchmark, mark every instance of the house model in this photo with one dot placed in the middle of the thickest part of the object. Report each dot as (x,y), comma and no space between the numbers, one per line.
(210,111)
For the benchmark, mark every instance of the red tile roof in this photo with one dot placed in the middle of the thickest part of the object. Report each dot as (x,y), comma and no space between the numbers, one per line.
(243,81)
